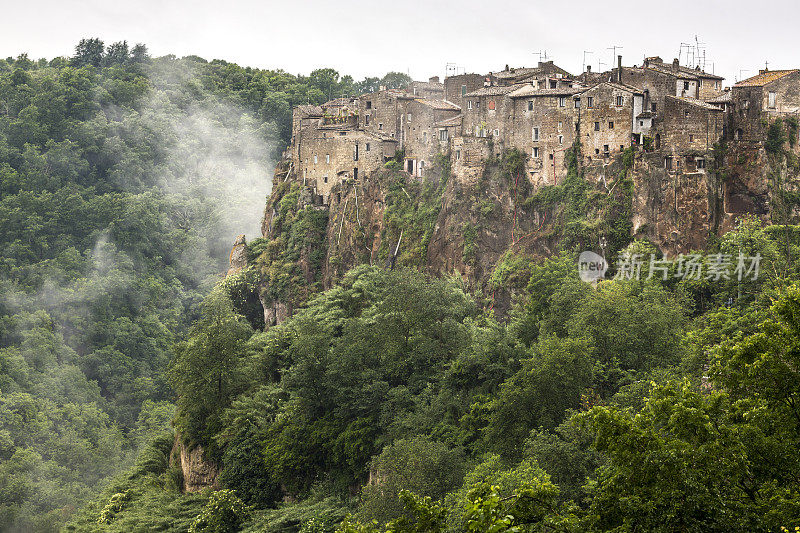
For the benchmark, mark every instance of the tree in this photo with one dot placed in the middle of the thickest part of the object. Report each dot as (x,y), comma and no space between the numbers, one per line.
(89,52)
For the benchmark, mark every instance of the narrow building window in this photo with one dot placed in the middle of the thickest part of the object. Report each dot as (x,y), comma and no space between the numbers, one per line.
(562,102)
(597,126)
(442,135)
(463,90)
(530,105)
(771,99)
(691,138)
(380,125)
(458,155)
(620,101)
(686,114)
(653,107)
(611,124)
(315,160)
(366,147)
(469,104)
(577,103)
(535,134)
(369,104)
(590,102)
(560,139)
(605,148)
(366,120)
(535,151)
(328,158)
(491,105)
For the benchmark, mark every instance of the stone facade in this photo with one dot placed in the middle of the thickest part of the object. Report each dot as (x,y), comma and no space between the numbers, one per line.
(757,100)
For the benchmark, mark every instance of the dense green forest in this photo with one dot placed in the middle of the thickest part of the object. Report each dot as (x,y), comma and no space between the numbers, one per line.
(391,402)
(124,180)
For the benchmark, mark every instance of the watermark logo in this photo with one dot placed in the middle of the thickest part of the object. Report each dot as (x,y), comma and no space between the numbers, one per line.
(591,266)
(713,267)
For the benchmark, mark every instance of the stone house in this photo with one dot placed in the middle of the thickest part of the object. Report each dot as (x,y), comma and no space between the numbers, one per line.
(543,125)
(544,70)
(456,87)
(761,98)
(610,119)
(432,89)
(689,130)
(422,137)
(381,112)
(487,112)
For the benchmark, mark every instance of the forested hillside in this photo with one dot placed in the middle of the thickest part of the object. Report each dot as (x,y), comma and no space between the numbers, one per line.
(394,401)
(124,180)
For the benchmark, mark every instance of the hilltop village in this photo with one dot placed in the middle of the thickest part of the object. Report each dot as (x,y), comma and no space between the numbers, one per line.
(670,112)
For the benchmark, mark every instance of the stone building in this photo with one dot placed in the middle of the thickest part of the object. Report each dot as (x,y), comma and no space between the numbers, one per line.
(544,70)
(542,125)
(382,112)
(610,119)
(456,87)
(689,130)
(757,100)
(421,136)
(487,112)
(432,88)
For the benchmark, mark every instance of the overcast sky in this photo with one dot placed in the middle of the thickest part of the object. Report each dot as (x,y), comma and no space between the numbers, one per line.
(364,38)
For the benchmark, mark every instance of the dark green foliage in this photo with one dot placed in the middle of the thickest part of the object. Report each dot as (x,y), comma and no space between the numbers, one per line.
(775,137)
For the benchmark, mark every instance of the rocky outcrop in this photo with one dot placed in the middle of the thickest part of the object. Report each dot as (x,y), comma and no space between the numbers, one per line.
(199,472)
(238,257)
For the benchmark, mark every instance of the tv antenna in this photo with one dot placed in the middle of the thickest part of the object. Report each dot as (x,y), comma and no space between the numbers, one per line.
(583,66)
(542,55)
(614,49)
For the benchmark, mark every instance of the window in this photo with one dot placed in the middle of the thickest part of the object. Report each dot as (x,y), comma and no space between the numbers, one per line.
(611,124)
(535,151)
(463,90)
(560,139)
(342,133)
(325,178)
(577,103)
(491,105)
(328,158)
(553,84)
(772,99)
(442,135)
(424,136)
(366,120)
(691,138)
(315,160)
(530,105)
(605,148)
(686,114)
(355,153)
(641,122)
(701,163)
(366,147)
(686,86)
(369,104)
(620,101)
(550,156)
(668,163)
(700,83)
(597,126)
(458,155)
(653,107)
(560,125)
(562,102)
(469,104)
(621,147)
(590,102)
(535,134)
(497,133)
(597,151)
(380,125)
(408,117)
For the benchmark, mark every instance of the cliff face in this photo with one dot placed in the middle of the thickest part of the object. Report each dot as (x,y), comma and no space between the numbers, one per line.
(199,472)
(474,225)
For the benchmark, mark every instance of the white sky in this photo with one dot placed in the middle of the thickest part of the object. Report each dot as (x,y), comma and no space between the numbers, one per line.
(372,37)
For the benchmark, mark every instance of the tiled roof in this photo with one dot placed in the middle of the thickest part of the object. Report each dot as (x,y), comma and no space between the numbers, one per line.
(724,98)
(310,110)
(529,91)
(696,102)
(452,121)
(438,104)
(764,78)
(493,91)
(337,102)
(429,85)
(618,86)
(514,73)
(683,71)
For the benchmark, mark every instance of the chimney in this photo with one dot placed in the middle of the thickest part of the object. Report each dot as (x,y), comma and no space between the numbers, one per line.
(433,79)
(588,69)
(619,69)
(676,65)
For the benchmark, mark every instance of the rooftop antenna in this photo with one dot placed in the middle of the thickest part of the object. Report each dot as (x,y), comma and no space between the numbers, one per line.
(599,66)
(613,49)
(740,73)
(583,67)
